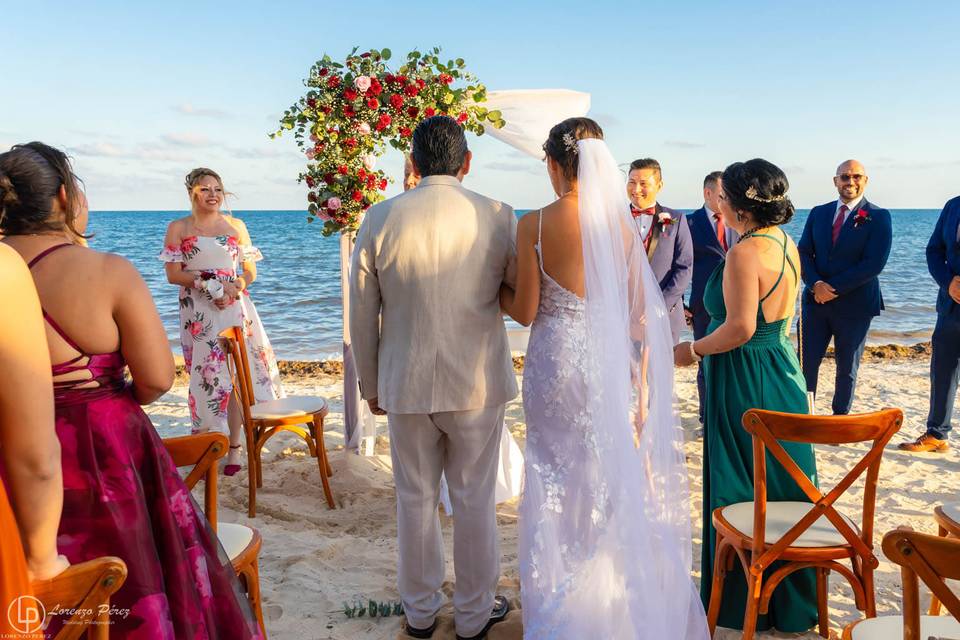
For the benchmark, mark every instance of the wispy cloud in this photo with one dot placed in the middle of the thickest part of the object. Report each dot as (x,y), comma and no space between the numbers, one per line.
(259,153)
(607,119)
(186,139)
(188,109)
(684,144)
(100,150)
(515,167)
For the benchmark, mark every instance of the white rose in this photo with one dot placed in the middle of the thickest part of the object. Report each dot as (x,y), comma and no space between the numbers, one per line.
(369,161)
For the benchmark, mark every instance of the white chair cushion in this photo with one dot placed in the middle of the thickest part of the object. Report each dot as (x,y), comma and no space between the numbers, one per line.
(234,538)
(891,628)
(781,516)
(286,407)
(952,511)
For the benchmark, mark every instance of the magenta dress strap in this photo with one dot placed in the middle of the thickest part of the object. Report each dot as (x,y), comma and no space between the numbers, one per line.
(53,323)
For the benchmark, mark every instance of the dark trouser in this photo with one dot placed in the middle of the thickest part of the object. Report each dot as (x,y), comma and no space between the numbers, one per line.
(849,338)
(944,373)
(701,320)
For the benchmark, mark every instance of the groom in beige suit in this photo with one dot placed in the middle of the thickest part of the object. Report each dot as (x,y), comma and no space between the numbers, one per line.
(432,353)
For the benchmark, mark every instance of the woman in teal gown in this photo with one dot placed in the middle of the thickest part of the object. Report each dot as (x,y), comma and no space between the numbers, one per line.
(749,362)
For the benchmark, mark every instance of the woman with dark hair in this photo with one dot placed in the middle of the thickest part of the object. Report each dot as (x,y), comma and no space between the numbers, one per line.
(749,362)
(122,494)
(208,254)
(605,550)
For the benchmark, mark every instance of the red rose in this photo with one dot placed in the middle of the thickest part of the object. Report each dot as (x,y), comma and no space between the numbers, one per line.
(348,112)
(310,182)
(430,112)
(357,196)
(444,78)
(312,197)
(328,178)
(462,118)
(361,174)
(350,143)
(311,103)
(342,170)
(349,95)
(401,79)
(396,101)
(383,122)
(333,82)
(324,72)
(366,206)
(373,103)
(421,83)
(411,90)
(364,55)
(405,132)
(383,184)
(412,112)
(326,110)
(318,147)
(375,87)
(389,78)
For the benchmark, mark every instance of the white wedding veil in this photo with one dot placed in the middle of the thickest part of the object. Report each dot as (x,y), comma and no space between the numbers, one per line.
(643,544)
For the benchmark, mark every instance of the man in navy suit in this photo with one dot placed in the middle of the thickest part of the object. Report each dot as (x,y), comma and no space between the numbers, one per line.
(844,247)
(666,238)
(943,261)
(711,238)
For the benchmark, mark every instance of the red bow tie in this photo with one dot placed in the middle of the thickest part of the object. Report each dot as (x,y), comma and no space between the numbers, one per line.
(645,212)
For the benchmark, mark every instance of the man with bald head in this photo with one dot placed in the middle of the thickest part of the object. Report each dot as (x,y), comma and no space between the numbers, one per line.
(844,247)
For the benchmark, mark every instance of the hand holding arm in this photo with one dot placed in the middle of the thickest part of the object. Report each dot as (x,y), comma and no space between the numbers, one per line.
(741,296)
(521,303)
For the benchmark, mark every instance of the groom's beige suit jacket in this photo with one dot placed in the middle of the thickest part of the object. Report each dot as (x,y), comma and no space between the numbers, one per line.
(425,320)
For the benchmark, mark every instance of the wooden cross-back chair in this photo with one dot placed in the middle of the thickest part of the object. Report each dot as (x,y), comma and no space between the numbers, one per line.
(84,587)
(241,543)
(922,558)
(302,415)
(802,535)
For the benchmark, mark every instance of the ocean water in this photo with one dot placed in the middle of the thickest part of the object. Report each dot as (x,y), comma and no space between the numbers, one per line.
(297,291)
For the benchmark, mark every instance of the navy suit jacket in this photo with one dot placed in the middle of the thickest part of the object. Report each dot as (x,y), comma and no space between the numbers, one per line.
(853,265)
(707,254)
(943,255)
(672,263)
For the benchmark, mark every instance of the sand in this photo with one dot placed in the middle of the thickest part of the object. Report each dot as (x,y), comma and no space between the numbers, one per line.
(313,559)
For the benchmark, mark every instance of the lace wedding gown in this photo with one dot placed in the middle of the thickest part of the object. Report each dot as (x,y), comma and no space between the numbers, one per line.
(605,548)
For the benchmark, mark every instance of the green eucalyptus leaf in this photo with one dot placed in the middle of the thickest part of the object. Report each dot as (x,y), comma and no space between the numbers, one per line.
(494,115)
(386,54)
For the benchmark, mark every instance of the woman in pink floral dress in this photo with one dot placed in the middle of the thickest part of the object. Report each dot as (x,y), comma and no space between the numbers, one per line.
(209,255)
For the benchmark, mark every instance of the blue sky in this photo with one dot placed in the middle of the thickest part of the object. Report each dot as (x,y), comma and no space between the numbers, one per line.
(142,92)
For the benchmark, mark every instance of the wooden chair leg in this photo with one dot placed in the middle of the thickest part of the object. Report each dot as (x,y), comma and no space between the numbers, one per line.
(754,587)
(934,600)
(869,595)
(252,575)
(100,629)
(323,464)
(716,586)
(822,611)
(251,471)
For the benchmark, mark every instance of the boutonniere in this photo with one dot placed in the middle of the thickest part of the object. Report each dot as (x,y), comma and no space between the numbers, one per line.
(665,220)
(861,217)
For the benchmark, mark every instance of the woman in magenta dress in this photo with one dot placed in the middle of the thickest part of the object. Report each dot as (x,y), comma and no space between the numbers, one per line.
(122,494)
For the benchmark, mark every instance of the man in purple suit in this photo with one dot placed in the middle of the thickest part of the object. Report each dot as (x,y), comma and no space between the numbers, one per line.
(666,238)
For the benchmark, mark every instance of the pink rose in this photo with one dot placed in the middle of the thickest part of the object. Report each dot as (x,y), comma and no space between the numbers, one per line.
(311,153)
(369,161)
(362,83)
(334,203)
(364,128)
(314,138)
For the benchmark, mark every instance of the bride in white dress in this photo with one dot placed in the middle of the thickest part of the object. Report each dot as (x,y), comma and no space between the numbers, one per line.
(605,549)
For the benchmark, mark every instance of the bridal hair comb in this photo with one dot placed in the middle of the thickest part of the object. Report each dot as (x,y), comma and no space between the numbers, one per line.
(752,193)
(570,142)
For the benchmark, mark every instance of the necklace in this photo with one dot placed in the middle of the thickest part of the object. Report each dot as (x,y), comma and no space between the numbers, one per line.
(751,232)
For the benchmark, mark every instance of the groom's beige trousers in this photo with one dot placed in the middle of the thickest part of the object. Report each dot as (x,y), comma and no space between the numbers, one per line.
(466,446)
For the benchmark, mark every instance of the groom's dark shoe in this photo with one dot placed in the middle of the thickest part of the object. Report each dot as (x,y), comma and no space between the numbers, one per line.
(500,609)
(413,632)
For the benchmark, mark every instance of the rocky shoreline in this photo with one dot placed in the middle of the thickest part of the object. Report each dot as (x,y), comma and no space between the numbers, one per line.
(325,370)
